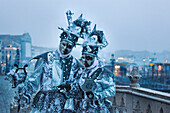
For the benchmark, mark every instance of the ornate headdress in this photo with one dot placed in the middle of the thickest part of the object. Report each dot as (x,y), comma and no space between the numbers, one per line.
(76,29)
(83,26)
(95,41)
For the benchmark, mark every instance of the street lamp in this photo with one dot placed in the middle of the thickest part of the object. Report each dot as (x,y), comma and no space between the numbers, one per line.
(104,61)
(8,55)
(7,63)
(112,62)
(150,60)
(143,67)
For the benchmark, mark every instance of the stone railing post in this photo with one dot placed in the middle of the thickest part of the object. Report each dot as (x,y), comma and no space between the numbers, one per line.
(134,77)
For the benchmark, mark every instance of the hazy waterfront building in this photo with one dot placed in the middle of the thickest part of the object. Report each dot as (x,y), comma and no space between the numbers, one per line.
(10,44)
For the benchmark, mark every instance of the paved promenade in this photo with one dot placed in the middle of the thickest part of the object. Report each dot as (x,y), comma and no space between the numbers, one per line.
(6,95)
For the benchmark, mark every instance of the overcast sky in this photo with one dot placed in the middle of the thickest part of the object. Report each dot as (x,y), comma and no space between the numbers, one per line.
(127,24)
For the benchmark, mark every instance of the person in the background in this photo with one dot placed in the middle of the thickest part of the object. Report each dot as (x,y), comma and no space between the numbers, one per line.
(95,84)
(52,71)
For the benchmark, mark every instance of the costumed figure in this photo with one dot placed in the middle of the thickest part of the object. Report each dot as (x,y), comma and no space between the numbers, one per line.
(83,27)
(17,76)
(52,71)
(95,84)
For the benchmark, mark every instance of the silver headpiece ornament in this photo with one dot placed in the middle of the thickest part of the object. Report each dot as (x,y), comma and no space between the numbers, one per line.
(94,42)
(69,18)
(96,38)
(78,28)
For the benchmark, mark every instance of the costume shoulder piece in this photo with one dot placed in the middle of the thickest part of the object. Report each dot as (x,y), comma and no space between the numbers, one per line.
(105,72)
(108,72)
(44,57)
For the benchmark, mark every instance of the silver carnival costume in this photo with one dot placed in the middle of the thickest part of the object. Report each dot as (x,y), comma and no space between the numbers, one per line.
(53,70)
(92,87)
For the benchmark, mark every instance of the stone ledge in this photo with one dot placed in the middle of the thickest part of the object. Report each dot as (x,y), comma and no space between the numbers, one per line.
(146,93)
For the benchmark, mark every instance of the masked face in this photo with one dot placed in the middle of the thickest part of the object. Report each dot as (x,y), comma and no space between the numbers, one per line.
(88,60)
(65,47)
(21,75)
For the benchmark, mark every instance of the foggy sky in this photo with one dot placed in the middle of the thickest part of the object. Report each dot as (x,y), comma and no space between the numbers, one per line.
(127,24)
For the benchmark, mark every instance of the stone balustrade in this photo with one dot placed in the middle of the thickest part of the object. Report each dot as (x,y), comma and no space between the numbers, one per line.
(140,100)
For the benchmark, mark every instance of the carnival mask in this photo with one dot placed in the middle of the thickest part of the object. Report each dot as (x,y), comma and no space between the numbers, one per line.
(20,75)
(88,60)
(65,47)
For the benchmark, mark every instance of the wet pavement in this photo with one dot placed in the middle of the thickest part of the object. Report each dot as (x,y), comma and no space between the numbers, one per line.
(6,95)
